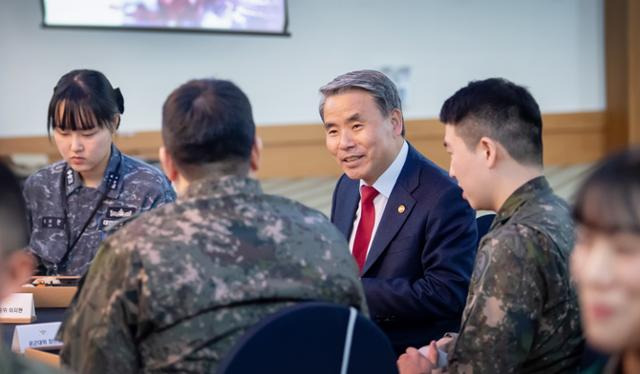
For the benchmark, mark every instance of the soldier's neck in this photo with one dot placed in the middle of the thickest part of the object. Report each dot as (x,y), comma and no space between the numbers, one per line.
(509,179)
(93,177)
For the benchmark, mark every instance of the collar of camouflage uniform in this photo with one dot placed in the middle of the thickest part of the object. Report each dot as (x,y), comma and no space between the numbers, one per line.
(222,186)
(524,193)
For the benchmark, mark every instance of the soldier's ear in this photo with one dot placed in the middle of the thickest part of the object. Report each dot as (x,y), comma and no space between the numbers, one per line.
(256,152)
(168,164)
(489,151)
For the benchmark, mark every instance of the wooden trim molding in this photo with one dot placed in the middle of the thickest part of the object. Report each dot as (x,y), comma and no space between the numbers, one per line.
(622,71)
(293,151)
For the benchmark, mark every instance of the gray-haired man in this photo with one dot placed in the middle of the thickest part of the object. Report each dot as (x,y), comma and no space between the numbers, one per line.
(409,229)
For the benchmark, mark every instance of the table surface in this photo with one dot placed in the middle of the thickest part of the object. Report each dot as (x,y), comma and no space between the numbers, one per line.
(43,315)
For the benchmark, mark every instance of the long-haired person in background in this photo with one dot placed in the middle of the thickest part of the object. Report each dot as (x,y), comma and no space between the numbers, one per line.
(73,203)
(606,261)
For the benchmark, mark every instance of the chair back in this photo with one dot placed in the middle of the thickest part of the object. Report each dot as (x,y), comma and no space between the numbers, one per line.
(312,337)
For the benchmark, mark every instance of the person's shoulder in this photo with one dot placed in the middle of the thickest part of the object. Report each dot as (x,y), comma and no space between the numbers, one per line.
(47,172)
(510,234)
(284,204)
(554,206)
(550,216)
(305,216)
(144,174)
(520,241)
(133,167)
(20,365)
(44,176)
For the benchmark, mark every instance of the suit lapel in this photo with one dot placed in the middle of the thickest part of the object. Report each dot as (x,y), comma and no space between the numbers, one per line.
(346,208)
(392,219)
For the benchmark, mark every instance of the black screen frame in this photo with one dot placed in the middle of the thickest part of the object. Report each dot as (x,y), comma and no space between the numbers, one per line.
(284,33)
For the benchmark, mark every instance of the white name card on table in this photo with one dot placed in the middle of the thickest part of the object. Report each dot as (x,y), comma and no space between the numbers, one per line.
(36,335)
(17,308)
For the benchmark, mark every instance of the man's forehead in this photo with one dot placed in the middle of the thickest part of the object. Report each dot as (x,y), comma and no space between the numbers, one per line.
(346,114)
(351,98)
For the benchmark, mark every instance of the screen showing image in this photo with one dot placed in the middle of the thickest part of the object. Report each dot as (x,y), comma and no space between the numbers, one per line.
(262,16)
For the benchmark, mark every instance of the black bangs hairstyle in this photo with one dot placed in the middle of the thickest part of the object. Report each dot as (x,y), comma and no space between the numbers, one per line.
(609,199)
(82,100)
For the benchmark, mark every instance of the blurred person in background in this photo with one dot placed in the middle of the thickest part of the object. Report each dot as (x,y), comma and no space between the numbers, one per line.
(606,261)
(16,265)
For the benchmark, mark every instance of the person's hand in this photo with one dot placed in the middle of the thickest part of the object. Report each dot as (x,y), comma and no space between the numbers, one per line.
(413,362)
(444,342)
(431,352)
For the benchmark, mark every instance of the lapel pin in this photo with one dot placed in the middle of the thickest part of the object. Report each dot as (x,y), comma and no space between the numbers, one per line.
(401,208)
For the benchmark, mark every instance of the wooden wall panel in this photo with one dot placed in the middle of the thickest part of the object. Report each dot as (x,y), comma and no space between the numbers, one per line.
(299,150)
(622,70)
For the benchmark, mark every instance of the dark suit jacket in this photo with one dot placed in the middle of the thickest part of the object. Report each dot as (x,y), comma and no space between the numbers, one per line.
(417,272)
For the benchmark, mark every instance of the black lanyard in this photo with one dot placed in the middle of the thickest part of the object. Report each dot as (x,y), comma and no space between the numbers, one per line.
(67,224)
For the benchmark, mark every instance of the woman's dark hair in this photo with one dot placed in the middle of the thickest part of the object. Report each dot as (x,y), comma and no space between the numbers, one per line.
(82,100)
(609,198)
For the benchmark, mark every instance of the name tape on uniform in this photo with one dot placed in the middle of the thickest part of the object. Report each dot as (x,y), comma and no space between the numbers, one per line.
(36,335)
(120,212)
(17,308)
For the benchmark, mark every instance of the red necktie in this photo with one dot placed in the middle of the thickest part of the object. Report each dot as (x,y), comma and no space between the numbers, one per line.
(365,226)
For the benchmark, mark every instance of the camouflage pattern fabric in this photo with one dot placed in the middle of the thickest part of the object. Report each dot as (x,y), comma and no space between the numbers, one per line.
(176,287)
(130,187)
(522,312)
(11,363)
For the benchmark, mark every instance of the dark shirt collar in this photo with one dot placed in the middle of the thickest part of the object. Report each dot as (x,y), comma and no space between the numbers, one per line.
(111,182)
(528,191)
(217,186)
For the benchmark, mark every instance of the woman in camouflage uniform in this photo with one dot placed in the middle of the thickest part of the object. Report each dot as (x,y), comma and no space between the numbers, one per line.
(74,203)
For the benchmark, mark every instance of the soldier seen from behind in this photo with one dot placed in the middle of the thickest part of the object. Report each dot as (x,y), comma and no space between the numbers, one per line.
(521,313)
(175,288)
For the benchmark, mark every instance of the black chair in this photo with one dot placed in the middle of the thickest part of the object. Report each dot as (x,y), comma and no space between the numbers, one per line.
(483,223)
(312,337)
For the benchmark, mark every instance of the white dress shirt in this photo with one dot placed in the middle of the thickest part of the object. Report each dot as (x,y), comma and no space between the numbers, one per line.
(384,185)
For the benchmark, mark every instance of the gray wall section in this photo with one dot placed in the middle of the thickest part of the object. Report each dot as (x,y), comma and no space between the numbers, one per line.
(555,47)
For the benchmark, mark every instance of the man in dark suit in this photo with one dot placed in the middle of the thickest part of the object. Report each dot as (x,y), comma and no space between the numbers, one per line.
(409,229)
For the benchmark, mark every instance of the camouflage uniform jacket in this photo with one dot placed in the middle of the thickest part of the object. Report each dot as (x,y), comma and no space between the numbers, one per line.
(176,287)
(129,187)
(522,313)
(11,363)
